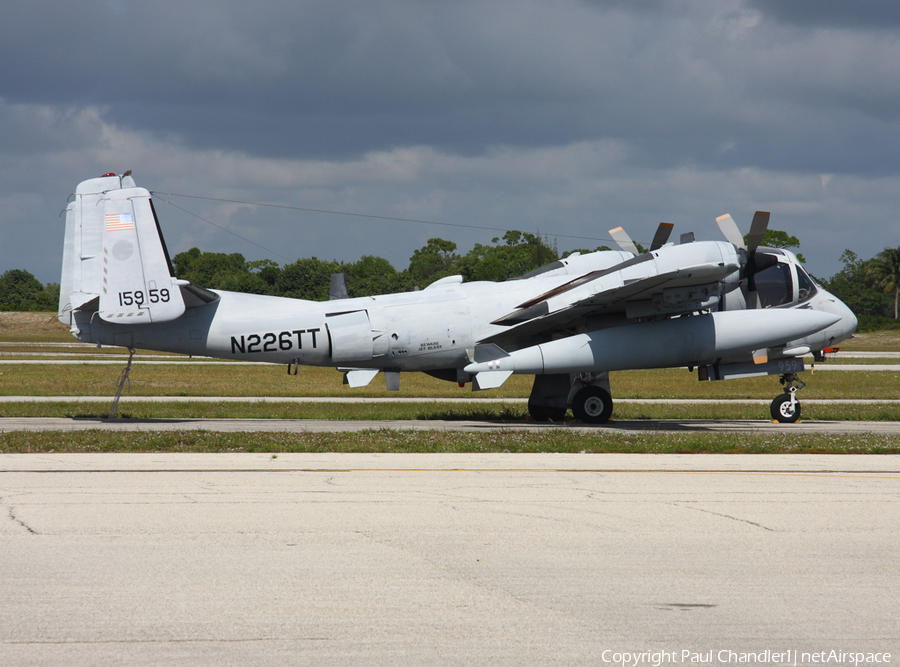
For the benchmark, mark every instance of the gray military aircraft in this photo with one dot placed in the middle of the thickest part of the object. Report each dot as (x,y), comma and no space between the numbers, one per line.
(726,308)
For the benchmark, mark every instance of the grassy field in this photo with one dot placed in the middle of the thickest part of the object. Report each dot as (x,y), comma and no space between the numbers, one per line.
(201,379)
(40,337)
(33,328)
(588,441)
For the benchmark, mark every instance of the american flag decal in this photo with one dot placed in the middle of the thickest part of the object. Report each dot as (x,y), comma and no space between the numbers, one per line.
(119,222)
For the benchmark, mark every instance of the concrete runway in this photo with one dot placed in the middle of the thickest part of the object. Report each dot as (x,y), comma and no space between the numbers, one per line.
(385,559)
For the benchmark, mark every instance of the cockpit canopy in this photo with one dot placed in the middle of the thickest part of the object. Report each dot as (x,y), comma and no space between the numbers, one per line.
(782,284)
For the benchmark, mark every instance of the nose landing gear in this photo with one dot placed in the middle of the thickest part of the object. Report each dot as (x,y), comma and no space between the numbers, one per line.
(786,408)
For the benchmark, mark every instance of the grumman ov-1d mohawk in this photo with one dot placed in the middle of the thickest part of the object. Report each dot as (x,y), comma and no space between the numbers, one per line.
(728,309)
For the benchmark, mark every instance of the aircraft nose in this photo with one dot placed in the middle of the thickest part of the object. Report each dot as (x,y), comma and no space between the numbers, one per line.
(847,325)
(849,321)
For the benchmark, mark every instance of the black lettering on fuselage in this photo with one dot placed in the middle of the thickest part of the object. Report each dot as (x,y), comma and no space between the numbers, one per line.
(272,341)
(300,332)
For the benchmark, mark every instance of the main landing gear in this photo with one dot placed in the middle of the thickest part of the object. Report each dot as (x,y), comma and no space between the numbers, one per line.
(591,402)
(786,408)
(592,405)
(587,393)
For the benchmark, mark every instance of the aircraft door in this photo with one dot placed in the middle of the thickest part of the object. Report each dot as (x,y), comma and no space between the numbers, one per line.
(350,336)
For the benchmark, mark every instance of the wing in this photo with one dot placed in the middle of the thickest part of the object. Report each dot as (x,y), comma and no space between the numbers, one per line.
(664,282)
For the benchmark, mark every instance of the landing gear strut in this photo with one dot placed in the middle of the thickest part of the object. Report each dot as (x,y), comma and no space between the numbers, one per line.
(786,408)
(548,398)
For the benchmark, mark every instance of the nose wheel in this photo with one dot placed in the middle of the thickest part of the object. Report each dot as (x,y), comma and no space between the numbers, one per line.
(786,408)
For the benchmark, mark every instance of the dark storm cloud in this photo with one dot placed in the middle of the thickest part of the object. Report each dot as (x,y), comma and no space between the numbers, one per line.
(288,78)
(881,14)
(337,80)
(531,115)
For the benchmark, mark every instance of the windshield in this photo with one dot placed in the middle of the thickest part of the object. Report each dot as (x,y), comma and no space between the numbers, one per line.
(775,286)
(805,284)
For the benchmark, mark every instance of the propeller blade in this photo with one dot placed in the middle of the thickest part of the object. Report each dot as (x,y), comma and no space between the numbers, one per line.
(620,236)
(730,230)
(757,230)
(662,235)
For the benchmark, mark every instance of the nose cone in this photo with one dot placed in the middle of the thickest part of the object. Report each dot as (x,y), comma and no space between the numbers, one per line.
(844,328)
(848,320)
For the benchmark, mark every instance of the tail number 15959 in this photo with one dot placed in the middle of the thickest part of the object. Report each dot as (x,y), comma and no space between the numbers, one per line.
(138,298)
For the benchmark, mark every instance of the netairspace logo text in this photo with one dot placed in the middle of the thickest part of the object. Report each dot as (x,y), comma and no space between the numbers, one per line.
(788,658)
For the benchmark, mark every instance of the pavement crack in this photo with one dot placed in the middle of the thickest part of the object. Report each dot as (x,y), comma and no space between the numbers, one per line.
(15,519)
(725,516)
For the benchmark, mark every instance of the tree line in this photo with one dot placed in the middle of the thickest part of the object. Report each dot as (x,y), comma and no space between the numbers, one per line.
(871,288)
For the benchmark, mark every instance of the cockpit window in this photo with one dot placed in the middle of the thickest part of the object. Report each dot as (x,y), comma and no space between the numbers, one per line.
(775,286)
(805,284)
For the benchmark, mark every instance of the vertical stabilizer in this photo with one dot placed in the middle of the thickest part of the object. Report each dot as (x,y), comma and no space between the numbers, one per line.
(114,259)
(82,269)
(138,284)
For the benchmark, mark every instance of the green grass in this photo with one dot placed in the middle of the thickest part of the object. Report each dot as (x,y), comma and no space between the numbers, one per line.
(504,412)
(265,380)
(887,340)
(23,330)
(562,440)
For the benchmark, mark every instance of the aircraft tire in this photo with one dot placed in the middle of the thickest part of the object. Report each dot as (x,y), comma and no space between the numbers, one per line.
(592,405)
(783,412)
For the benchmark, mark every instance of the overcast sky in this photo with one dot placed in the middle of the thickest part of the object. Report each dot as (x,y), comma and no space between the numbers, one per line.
(566,118)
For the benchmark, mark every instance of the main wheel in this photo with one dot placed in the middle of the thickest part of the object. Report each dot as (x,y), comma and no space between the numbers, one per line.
(783,411)
(592,405)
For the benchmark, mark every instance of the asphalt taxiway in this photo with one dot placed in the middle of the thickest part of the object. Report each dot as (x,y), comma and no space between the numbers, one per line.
(69,424)
(385,559)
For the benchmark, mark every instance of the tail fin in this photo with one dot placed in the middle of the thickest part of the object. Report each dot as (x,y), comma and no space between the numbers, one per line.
(115,260)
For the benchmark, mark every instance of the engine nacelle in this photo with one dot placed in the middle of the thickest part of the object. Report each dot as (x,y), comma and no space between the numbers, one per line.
(682,341)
